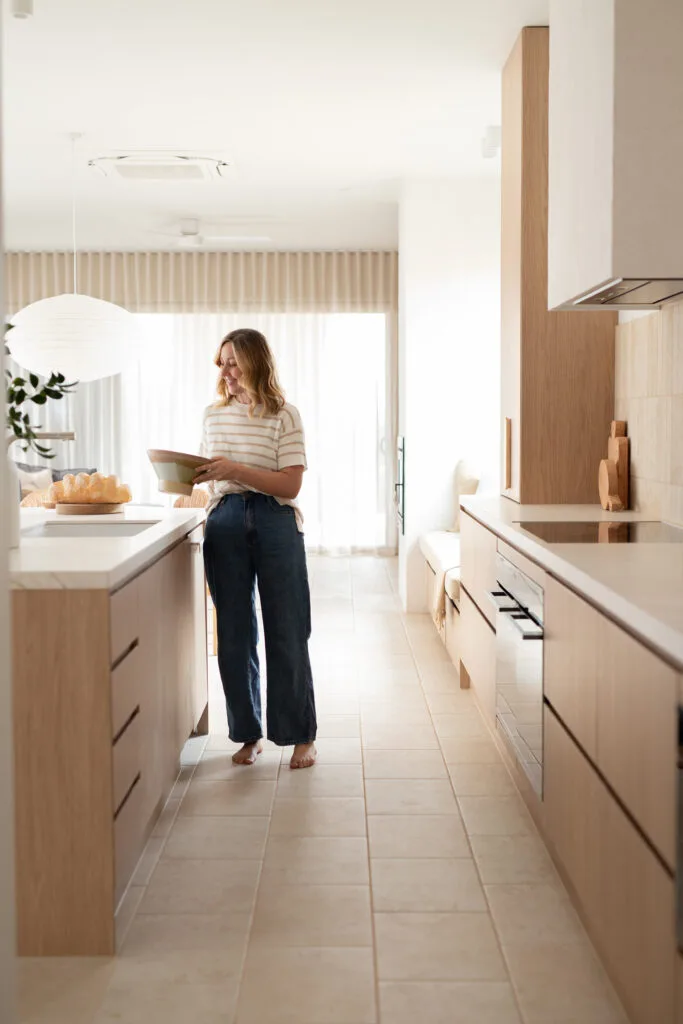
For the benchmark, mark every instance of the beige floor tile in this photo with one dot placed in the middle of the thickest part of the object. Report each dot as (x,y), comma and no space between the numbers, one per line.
(318,816)
(562,985)
(308,986)
(338,726)
(182,782)
(526,913)
(332,751)
(55,990)
(468,725)
(481,780)
(437,947)
(235,837)
(201,887)
(404,701)
(513,859)
(399,737)
(252,798)
(323,780)
(410,796)
(312,915)
(460,750)
(426,885)
(154,935)
(404,764)
(217,766)
(125,913)
(316,860)
(333,703)
(448,1002)
(165,820)
(387,714)
(456,703)
(173,990)
(438,836)
(495,816)
(148,861)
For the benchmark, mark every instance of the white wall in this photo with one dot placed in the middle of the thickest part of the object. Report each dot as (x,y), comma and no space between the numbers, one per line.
(449,352)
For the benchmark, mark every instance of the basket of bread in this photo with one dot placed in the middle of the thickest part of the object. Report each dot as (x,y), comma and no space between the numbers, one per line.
(87,494)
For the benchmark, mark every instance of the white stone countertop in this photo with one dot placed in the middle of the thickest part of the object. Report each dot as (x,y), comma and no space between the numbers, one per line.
(640,586)
(99,562)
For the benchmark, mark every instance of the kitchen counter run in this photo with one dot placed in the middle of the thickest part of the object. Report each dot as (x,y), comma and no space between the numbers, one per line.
(640,586)
(97,563)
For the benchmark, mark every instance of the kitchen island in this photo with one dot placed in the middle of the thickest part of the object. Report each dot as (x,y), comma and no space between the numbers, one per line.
(109,681)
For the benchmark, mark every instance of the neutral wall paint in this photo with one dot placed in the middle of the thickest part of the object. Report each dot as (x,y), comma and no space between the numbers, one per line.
(649,396)
(449,353)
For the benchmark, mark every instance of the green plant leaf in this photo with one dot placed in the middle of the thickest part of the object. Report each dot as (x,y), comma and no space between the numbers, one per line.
(34,379)
(39,399)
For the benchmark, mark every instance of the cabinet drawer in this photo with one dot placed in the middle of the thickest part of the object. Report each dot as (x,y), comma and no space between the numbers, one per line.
(124,617)
(129,839)
(571,813)
(478,655)
(126,684)
(478,548)
(619,701)
(127,759)
(637,733)
(570,662)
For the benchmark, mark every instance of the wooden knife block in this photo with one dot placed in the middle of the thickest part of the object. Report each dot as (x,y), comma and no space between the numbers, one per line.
(613,476)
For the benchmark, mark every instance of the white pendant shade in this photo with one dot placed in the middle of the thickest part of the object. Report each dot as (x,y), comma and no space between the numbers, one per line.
(81,337)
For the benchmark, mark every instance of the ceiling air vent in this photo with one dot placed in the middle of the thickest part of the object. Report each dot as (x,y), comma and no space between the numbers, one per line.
(170,167)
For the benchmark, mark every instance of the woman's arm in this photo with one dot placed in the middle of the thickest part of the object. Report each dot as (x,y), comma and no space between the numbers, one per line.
(283,483)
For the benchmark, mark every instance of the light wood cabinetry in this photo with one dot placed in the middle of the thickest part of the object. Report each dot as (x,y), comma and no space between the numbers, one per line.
(107,688)
(619,701)
(570,652)
(478,655)
(624,891)
(557,369)
(478,563)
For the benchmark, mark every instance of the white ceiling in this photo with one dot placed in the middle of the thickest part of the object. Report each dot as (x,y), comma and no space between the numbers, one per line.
(323,106)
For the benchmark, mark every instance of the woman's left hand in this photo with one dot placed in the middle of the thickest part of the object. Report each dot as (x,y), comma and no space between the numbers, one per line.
(217,469)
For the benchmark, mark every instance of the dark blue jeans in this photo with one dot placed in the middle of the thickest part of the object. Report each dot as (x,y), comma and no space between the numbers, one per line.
(252,537)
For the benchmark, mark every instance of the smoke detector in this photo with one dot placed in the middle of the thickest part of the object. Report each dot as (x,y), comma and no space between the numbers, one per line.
(490,144)
(160,166)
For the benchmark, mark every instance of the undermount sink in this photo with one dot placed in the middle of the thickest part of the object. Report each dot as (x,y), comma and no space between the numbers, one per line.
(85,529)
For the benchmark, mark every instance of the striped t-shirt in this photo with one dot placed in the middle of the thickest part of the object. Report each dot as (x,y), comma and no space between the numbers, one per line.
(261,442)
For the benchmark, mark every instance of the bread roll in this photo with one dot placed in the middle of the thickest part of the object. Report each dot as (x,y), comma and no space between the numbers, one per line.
(69,482)
(96,487)
(55,491)
(110,485)
(123,494)
(82,485)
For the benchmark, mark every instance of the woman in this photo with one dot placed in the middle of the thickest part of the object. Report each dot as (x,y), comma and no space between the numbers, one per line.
(254,444)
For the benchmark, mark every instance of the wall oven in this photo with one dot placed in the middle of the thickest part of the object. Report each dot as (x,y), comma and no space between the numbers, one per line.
(519,667)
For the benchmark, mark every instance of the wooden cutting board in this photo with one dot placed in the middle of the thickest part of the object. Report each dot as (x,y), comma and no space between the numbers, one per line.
(93,509)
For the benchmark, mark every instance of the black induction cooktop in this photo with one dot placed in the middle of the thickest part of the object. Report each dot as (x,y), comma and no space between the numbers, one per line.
(604,533)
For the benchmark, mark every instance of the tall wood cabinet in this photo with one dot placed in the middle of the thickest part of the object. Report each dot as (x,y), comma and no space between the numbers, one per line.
(557,368)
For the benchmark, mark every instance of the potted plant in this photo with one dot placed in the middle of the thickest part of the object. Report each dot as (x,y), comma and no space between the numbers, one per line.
(22,392)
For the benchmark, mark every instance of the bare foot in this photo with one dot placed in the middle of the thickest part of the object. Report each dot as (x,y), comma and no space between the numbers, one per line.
(248,753)
(304,755)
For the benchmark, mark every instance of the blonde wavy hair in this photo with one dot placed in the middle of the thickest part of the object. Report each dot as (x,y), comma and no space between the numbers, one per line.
(259,378)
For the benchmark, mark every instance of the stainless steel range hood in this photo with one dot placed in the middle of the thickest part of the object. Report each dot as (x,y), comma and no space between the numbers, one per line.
(631,293)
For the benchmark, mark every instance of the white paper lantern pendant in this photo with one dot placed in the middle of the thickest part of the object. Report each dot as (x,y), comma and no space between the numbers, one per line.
(77,335)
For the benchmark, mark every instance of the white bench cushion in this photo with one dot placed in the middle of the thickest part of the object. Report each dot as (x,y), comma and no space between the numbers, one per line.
(441,549)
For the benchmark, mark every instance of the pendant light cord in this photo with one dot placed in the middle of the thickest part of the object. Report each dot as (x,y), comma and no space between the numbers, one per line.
(74,139)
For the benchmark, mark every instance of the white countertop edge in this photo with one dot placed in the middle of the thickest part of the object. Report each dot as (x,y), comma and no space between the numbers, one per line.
(660,637)
(59,563)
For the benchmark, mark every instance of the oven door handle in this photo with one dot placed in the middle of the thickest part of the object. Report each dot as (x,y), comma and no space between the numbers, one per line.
(524,624)
(502,602)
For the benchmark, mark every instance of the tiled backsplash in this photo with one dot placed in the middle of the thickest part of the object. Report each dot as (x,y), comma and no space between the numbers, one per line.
(649,396)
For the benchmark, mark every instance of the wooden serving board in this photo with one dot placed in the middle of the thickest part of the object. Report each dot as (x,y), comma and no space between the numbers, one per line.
(101,508)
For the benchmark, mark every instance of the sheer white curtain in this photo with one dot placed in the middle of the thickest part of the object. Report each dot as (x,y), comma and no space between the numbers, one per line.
(336,368)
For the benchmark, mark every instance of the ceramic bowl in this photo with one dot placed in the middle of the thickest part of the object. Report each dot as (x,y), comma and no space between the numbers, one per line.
(175,470)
